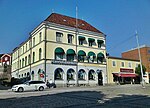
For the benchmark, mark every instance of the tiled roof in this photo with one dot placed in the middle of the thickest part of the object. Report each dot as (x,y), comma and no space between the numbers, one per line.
(69,21)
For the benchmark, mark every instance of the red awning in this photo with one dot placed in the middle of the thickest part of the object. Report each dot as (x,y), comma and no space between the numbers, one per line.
(125,74)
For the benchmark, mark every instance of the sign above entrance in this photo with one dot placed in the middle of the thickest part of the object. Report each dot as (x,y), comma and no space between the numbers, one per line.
(63,62)
(126,70)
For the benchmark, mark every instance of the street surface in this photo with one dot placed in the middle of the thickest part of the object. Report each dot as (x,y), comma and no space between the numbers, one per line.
(116,96)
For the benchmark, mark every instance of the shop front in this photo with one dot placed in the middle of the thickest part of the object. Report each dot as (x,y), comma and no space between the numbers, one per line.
(125,76)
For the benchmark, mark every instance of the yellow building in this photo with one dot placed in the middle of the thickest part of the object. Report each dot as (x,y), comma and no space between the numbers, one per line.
(120,70)
(62,52)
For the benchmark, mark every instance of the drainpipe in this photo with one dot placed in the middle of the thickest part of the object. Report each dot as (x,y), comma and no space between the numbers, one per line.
(45,40)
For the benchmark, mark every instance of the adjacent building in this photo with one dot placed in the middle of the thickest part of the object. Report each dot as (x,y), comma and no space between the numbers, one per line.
(5,66)
(121,70)
(63,49)
(145,57)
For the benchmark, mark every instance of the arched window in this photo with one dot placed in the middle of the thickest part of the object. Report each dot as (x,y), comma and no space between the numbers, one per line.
(33,57)
(25,75)
(59,74)
(70,74)
(70,54)
(81,56)
(81,74)
(40,54)
(59,53)
(100,57)
(91,75)
(91,56)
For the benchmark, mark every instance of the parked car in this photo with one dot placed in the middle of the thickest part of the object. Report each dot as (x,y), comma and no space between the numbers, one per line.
(29,86)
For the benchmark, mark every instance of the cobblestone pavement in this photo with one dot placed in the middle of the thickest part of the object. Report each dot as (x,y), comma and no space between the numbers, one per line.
(117,96)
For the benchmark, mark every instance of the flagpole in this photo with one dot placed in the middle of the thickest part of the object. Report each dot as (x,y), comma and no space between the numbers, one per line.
(140,59)
(76,33)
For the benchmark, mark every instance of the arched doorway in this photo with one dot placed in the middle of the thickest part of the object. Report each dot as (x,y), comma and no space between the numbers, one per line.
(100,77)
(91,75)
(81,74)
(70,74)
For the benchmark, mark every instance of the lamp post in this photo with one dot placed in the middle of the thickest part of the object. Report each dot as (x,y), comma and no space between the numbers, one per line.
(140,59)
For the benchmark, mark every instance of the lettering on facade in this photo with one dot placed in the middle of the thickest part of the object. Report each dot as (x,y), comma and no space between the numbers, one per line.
(63,62)
(126,70)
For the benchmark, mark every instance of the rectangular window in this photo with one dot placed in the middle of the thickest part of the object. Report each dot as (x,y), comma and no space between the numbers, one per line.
(130,65)
(99,45)
(20,51)
(33,41)
(137,64)
(148,51)
(81,42)
(23,49)
(59,37)
(122,64)
(113,63)
(70,38)
(30,44)
(40,36)
(90,43)
(26,46)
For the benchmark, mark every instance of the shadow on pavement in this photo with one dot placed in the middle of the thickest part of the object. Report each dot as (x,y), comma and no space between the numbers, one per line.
(69,99)
(127,101)
(79,99)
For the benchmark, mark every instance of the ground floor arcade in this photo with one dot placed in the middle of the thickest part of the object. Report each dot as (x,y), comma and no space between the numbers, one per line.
(66,74)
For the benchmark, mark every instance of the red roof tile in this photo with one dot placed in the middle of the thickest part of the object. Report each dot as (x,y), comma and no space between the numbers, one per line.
(69,21)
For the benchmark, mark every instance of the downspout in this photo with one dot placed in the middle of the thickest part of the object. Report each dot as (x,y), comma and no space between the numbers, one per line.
(30,44)
(45,40)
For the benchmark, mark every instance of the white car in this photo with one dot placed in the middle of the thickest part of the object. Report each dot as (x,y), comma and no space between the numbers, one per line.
(30,85)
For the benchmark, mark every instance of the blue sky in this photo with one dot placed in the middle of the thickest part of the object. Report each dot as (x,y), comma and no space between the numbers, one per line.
(118,19)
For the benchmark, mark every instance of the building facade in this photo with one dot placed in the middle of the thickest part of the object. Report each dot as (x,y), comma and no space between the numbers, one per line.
(120,70)
(5,66)
(145,57)
(62,49)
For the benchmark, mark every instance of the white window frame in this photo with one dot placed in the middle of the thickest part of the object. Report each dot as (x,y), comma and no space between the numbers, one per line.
(40,37)
(123,65)
(59,36)
(114,62)
(130,65)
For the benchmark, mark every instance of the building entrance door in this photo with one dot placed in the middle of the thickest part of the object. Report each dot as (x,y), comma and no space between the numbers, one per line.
(100,78)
